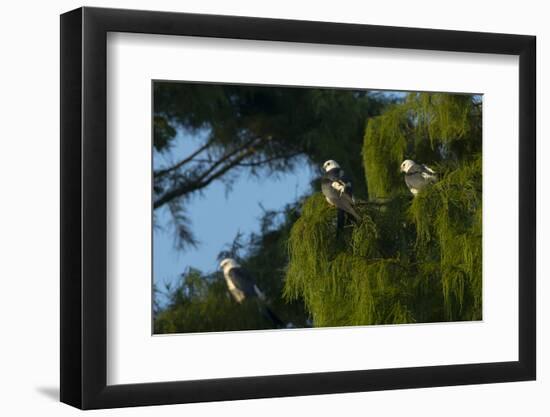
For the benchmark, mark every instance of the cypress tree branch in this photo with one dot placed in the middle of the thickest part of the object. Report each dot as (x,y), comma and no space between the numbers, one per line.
(215,171)
(161,173)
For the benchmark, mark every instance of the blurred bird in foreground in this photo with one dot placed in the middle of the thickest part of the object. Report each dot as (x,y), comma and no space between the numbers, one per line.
(243,287)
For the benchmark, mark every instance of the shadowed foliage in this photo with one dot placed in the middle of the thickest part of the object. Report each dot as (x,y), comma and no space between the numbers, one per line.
(195,306)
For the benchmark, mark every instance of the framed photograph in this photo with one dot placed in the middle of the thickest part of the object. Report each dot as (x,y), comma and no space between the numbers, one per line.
(258,208)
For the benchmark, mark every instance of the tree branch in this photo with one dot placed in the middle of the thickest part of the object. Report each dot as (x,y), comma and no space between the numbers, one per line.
(226,162)
(184,161)
(227,157)
(268,160)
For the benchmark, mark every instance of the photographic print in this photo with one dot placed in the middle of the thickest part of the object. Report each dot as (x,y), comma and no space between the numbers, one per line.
(281,207)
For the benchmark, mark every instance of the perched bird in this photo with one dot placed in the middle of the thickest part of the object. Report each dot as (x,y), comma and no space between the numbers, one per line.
(417,176)
(338,192)
(242,287)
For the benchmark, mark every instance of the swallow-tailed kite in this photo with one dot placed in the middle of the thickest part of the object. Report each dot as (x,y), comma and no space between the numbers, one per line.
(242,287)
(337,191)
(417,176)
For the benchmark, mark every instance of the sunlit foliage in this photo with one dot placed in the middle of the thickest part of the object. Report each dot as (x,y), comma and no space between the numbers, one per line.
(410,259)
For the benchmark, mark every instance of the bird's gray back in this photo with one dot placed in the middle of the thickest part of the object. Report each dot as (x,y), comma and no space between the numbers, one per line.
(418,180)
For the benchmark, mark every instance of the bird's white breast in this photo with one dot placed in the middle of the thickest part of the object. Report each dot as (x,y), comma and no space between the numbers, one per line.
(235,292)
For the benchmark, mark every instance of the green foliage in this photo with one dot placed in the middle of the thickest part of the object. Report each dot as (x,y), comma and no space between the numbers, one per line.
(448,220)
(345,281)
(427,127)
(342,281)
(383,149)
(409,259)
(445,117)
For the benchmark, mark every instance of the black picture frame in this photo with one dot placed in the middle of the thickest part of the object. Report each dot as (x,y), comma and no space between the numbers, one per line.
(84,207)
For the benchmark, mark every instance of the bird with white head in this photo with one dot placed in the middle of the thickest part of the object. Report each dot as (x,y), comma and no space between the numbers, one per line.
(330,165)
(417,176)
(337,190)
(242,287)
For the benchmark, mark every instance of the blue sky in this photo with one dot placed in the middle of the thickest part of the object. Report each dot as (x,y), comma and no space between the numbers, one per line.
(217,216)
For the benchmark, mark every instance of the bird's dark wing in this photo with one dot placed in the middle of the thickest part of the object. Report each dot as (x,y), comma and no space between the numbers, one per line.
(345,203)
(419,176)
(244,282)
(336,184)
(422,169)
(341,201)
(337,176)
(335,192)
(347,182)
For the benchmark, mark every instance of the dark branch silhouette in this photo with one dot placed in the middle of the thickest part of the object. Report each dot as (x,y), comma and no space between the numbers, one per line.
(215,171)
(163,172)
